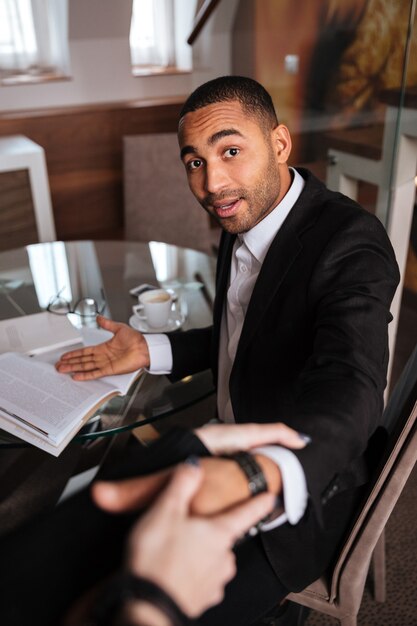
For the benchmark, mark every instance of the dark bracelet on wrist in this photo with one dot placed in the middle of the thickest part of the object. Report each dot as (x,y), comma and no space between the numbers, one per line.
(252,470)
(126,587)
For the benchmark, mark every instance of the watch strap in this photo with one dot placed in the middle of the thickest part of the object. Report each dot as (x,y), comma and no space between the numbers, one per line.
(252,470)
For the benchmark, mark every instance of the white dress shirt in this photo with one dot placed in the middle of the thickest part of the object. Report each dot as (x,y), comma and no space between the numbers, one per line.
(249,252)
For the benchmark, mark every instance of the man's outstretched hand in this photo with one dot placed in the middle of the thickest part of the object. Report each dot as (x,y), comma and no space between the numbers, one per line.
(125,352)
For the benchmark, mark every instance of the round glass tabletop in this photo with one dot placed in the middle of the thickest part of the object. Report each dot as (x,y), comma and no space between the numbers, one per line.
(108,273)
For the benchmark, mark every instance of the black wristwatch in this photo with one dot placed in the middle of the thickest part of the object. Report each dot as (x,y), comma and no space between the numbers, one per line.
(252,470)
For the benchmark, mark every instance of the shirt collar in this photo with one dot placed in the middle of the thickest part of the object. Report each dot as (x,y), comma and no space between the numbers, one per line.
(259,238)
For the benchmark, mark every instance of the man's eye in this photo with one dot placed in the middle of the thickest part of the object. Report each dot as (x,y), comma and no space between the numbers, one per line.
(231,152)
(194,164)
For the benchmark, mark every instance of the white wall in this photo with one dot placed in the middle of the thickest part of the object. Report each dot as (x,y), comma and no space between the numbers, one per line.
(100,60)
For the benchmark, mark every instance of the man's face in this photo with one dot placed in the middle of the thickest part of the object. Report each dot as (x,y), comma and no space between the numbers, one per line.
(233,164)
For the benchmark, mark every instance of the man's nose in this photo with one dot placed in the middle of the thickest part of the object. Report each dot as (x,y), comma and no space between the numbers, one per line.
(216,178)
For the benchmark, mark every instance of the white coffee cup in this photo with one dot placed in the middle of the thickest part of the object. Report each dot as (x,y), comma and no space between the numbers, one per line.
(156,305)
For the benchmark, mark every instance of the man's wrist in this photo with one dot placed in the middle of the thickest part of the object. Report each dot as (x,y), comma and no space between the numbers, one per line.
(271,472)
(260,472)
(251,469)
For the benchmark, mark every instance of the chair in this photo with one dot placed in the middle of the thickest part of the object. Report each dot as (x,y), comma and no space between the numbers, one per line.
(339,592)
(159,205)
(26,214)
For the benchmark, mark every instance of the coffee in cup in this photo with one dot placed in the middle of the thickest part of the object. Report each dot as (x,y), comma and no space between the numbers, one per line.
(156,305)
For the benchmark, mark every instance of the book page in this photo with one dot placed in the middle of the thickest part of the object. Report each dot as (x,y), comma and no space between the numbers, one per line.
(33,334)
(36,392)
(39,440)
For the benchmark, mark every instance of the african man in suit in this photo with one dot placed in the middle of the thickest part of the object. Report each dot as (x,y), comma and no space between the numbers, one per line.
(300,335)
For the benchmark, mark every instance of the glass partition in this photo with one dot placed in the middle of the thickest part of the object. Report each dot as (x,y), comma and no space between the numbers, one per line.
(343,77)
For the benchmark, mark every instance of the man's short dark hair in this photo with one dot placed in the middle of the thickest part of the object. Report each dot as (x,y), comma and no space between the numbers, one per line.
(252,96)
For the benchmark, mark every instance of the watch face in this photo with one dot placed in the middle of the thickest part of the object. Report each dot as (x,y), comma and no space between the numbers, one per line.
(252,470)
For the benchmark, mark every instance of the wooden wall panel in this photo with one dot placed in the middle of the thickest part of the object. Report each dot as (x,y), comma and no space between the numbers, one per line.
(83,148)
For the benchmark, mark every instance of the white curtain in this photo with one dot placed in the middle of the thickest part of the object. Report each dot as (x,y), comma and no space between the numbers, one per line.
(152,33)
(34,35)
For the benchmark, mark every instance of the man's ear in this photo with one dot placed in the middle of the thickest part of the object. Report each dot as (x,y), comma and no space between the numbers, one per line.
(282,143)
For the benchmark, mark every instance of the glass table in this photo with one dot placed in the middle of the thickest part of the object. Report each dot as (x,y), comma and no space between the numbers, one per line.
(105,271)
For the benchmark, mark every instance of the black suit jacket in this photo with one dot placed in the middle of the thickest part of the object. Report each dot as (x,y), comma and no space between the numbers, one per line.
(313,353)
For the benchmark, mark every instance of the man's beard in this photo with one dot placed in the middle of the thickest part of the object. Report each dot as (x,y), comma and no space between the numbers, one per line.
(259,201)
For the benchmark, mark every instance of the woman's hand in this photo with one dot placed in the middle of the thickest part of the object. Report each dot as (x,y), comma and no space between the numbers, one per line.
(229,438)
(125,352)
(190,557)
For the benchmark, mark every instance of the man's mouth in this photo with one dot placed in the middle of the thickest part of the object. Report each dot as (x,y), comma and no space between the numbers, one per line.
(227,208)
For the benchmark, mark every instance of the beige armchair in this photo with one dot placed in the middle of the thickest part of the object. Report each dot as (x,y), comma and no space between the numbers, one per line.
(339,592)
(159,205)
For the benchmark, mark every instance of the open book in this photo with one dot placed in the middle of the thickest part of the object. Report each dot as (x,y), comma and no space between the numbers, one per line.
(45,408)
(37,333)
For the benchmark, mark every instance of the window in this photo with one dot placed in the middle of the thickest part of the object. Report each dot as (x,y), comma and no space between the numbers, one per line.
(158,34)
(49,267)
(152,33)
(33,38)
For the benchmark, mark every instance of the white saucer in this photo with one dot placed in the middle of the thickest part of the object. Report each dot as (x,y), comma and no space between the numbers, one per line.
(176,320)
